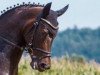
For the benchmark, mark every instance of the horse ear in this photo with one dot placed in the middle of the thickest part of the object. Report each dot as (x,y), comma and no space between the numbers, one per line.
(62,11)
(46,10)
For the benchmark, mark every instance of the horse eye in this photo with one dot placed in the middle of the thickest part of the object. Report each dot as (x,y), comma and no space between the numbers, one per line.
(50,34)
(45,30)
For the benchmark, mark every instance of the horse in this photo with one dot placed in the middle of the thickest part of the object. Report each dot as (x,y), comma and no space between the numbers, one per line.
(30,27)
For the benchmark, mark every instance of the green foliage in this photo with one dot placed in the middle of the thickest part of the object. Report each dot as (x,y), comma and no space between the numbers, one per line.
(62,66)
(84,42)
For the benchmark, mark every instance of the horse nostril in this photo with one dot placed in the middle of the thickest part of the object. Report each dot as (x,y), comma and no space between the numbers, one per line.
(44,66)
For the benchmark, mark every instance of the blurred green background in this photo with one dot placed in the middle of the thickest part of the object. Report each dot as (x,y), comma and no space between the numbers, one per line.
(73,65)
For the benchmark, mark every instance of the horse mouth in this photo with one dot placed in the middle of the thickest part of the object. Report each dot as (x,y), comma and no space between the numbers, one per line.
(40,67)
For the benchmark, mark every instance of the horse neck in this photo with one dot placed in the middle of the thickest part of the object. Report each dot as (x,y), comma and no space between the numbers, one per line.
(9,55)
(12,30)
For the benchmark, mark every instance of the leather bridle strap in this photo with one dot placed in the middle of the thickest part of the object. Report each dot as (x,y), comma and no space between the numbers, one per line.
(11,43)
(47,22)
(41,50)
(46,54)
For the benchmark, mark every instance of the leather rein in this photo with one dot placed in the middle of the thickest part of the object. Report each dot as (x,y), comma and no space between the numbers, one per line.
(29,46)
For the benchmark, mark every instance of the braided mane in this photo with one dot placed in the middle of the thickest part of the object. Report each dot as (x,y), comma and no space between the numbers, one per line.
(29,4)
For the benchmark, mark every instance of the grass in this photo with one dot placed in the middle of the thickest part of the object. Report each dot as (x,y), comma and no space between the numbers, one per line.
(62,66)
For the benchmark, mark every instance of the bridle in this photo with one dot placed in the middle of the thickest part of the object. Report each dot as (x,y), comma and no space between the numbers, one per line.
(30,44)
(29,47)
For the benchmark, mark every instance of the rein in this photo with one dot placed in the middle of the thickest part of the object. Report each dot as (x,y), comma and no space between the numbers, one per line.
(29,46)
(11,43)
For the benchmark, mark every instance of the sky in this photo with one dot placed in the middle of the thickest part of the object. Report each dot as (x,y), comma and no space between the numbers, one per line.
(81,13)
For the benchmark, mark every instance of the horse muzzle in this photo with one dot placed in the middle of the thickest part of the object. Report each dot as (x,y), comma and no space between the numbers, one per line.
(38,65)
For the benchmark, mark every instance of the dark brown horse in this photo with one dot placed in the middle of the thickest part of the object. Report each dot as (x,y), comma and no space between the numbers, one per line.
(31,27)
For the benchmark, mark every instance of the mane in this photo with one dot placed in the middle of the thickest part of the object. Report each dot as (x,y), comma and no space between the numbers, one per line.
(10,9)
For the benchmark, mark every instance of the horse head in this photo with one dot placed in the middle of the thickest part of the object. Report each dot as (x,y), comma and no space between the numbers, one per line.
(43,31)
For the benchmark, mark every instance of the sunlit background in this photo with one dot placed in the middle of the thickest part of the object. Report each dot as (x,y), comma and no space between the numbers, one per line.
(83,13)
